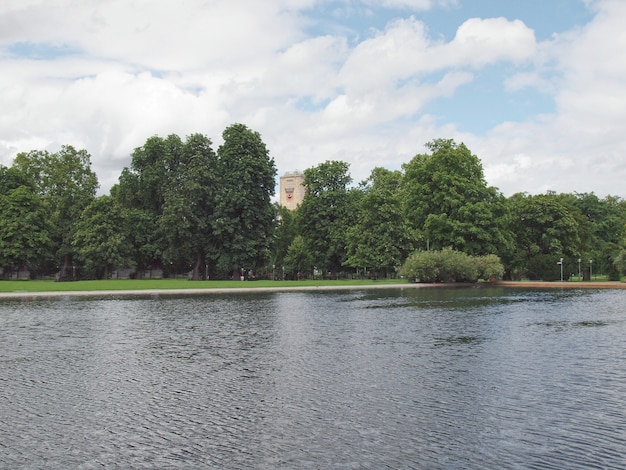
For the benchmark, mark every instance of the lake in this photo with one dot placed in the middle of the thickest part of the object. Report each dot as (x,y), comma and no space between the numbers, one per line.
(399,378)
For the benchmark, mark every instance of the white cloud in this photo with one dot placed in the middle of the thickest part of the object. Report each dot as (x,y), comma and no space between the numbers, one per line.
(479,42)
(412,4)
(580,146)
(147,67)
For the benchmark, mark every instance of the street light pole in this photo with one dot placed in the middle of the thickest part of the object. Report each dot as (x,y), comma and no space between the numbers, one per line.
(561,263)
(579,260)
(590,268)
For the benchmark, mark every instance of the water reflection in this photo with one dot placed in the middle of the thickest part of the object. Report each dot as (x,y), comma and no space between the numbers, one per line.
(426,378)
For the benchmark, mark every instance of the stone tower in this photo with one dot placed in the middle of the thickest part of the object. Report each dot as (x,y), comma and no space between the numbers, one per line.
(291,189)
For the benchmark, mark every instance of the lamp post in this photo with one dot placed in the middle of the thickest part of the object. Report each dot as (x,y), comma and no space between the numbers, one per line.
(579,260)
(273,268)
(590,268)
(560,262)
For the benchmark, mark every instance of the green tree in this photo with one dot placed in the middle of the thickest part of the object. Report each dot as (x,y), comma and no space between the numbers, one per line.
(100,239)
(188,206)
(544,231)
(285,233)
(298,260)
(620,259)
(24,228)
(448,202)
(67,184)
(380,239)
(140,192)
(326,213)
(600,224)
(245,217)
(12,178)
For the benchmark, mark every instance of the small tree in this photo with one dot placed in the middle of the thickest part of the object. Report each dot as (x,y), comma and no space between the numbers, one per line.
(298,259)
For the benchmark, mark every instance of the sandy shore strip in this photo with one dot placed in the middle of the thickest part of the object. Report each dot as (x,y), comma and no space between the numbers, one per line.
(563,285)
(252,290)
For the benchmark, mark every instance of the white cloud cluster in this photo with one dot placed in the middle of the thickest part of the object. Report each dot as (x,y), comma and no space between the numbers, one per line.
(105,75)
(580,146)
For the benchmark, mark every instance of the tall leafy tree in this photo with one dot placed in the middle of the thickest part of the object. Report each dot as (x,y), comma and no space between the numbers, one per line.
(141,194)
(100,239)
(600,225)
(245,217)
(449,204)
(24,225)
(67,184)
(285,233)
(326,213)
(380,239)
(545,230)
(189,206)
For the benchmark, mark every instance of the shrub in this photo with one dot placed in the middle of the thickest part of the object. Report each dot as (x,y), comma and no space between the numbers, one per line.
(450,265)
(489,266)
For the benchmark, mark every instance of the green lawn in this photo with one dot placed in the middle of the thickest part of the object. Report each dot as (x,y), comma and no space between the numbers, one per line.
(151,284)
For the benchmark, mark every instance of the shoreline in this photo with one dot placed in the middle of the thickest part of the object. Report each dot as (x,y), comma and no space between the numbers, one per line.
(563,285)
(250,290)
(208,290)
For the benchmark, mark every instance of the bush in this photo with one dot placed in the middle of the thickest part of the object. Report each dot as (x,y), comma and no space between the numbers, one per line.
(489,267)
(450,265)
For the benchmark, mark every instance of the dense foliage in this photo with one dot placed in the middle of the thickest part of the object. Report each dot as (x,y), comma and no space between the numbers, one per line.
(449,265)
(181,207)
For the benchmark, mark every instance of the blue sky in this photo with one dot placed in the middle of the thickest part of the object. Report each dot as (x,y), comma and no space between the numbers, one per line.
(535,88)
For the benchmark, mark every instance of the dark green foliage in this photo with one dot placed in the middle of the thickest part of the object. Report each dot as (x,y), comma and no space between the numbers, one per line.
(600,225)
(12,178)
(544,231)
(245,219)
(141,194)
(285,233)
(326,214)
(298,262)
(188,209)
(67,185)
(24,229)
(380,238)
(100,238)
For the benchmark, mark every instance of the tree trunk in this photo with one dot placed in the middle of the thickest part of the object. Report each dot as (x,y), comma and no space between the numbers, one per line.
(64,274)
(196,276)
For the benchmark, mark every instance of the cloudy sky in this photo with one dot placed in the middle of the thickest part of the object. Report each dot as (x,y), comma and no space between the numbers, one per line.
(535,88)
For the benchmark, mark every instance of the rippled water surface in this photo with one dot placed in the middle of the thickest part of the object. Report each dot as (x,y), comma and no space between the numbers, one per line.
(412,378)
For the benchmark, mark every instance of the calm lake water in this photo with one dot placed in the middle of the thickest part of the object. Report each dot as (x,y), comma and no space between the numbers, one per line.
(399,378)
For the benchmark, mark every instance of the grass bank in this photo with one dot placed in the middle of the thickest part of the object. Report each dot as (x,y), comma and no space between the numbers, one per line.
(175,284)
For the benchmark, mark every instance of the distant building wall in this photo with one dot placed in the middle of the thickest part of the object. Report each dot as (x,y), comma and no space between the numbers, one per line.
(291,190)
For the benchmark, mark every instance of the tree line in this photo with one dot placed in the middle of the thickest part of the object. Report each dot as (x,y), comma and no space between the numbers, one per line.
(181,207)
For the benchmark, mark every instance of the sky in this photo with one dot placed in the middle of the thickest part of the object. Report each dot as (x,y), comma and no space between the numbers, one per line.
(535,88)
